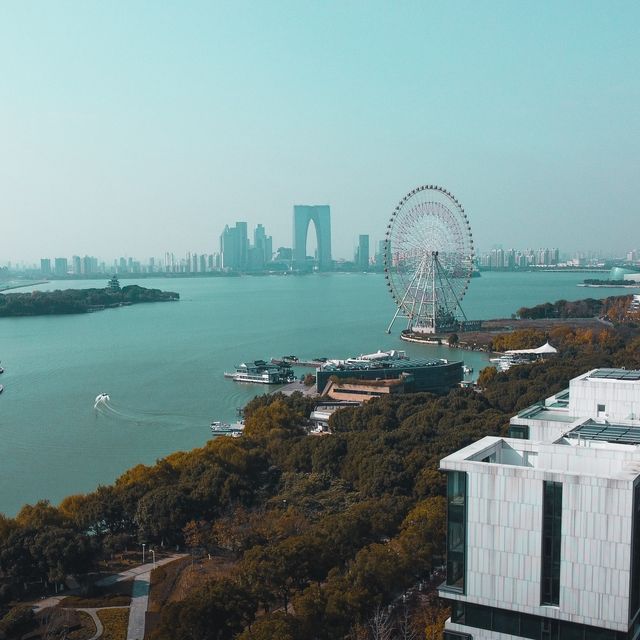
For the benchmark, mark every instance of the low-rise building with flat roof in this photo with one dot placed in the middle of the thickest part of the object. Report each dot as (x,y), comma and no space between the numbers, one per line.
(419,375)
(543,534)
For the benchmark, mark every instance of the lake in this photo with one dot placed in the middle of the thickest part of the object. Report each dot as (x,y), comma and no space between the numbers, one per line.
(162,364)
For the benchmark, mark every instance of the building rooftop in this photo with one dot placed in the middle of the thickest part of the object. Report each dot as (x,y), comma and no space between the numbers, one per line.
(606,432)
(595,459)
(365,365)
(614,374)
(546,412)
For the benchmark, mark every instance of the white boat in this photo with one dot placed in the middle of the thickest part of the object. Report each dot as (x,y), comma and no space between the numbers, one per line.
(261,372)
(100,398)
(1,388)
(505,362)
(467,369)
(225,429)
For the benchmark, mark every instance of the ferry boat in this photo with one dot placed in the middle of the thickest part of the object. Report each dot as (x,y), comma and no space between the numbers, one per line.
(261,372)
(225,429)
(505,362)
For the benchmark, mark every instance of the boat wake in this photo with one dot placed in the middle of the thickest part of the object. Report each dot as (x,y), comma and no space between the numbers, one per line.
(116,411)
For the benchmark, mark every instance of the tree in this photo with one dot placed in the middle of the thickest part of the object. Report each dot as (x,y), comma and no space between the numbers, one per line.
(486,376)
(274,626)
(381,625)
(161,514)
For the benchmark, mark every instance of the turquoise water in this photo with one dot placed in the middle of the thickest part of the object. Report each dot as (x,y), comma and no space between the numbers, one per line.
(162,365)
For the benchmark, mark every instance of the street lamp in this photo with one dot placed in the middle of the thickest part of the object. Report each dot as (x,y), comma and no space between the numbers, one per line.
(144,544)
(153,551)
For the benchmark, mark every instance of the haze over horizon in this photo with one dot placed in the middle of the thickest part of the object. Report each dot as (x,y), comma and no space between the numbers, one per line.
(138,128)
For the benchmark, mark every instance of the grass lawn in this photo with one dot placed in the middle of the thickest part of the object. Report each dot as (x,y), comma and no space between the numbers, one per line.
(54,623)
(106,600)
(115,623)
(87,629)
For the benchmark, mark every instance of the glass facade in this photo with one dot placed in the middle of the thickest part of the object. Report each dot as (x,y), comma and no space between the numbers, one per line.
(456,529)
(455,635)
(634,600)
(527,626)
(551,542)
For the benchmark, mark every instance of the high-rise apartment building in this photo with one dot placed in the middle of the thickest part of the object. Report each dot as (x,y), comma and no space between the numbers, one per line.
(234,247)
(263,243)
(89,265)
(45,266)
(77,268)
(543,532)
(362,253)
(61,266)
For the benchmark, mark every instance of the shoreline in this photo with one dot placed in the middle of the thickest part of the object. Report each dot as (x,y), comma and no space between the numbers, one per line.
(610,286)
(21,286)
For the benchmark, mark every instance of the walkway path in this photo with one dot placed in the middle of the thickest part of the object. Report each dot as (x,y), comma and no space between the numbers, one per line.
(141,576)
(140,594)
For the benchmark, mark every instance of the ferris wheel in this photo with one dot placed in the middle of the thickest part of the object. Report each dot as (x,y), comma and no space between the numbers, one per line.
(428,260)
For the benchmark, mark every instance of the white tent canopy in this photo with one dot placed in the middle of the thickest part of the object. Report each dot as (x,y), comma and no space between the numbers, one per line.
(545,348)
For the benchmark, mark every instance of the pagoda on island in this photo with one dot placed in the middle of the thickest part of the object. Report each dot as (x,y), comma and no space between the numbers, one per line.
(114,284)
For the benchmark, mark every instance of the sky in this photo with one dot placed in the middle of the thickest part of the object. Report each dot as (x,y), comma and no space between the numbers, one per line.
(131,128)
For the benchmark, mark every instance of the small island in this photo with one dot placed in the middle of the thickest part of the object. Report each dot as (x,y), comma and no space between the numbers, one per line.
(71,301)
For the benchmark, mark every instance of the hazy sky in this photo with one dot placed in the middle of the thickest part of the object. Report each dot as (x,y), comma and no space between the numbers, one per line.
(132,128)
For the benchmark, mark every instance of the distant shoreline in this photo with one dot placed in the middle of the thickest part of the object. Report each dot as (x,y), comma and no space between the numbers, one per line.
(20,286)
(610,286)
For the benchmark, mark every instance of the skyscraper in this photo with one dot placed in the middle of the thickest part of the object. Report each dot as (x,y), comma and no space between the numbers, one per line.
(362,253)
(61,267)
(263,243)
(320,215)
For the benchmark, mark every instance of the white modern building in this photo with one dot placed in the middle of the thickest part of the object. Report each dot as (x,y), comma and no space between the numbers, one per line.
(543,536)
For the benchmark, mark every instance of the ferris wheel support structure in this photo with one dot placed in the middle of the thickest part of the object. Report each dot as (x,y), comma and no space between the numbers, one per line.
(428,260)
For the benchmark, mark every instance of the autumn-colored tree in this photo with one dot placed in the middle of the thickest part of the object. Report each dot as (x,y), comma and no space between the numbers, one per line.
(276,420)
(486,376)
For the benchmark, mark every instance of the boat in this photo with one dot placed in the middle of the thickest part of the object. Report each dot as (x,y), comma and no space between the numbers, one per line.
(225,429)
(1,370)
(261,372)
(508,360)
(467,369)
(1,388)
(100,398)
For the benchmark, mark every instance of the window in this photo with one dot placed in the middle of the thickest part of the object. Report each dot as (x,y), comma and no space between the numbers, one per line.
(551,539)
(455,635)
(456,528)
(506,621)
(524,625)
(602,411)
(518,431)
(634,603)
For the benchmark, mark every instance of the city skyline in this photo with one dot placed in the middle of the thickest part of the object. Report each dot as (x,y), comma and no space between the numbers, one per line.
(364,258)
(129,136)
